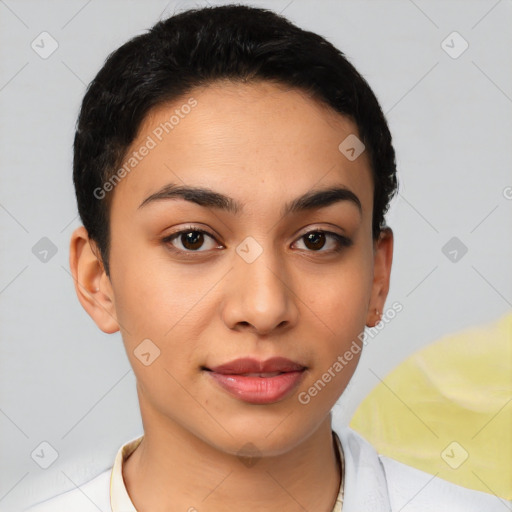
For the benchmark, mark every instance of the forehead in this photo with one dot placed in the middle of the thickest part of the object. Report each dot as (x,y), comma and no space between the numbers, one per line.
(253,141)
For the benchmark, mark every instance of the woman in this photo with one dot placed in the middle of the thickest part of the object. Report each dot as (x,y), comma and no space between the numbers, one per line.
(232,173)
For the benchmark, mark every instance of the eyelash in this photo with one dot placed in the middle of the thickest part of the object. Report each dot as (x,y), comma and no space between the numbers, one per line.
(342,241)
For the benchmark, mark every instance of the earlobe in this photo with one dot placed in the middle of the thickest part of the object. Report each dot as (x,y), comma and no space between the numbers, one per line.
(92,285)
(383,259)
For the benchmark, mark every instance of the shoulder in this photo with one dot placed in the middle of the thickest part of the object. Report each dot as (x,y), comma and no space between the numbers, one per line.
(91,496)
(410,489)
(414,490)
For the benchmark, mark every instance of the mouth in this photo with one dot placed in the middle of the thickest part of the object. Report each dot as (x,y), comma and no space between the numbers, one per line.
(258,382)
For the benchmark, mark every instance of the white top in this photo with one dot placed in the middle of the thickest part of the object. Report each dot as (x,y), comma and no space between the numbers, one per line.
(372,483)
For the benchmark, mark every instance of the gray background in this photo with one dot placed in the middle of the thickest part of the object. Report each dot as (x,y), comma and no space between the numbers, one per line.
(65,382)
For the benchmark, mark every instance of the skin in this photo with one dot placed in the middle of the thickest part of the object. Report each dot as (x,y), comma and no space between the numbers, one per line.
(263,145)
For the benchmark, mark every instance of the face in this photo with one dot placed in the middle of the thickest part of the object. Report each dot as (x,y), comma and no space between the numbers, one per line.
(235,300)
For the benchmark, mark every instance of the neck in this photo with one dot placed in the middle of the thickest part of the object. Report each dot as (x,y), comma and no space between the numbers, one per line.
(174,470)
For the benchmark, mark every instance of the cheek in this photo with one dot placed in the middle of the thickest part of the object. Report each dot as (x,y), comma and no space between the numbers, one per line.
(147,290)
(342,295)
(340,304)
(141,310)
(160,302)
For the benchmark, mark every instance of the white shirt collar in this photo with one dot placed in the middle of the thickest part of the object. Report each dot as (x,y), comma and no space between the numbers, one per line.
(119,499)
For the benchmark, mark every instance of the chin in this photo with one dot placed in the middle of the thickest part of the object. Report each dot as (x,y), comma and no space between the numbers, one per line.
(267,437)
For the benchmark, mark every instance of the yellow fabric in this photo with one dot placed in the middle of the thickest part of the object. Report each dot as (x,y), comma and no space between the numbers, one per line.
(447,409)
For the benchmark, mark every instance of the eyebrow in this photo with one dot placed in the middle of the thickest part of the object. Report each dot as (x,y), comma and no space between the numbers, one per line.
(208,198)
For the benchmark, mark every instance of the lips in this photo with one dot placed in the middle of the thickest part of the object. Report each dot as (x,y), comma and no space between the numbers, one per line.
(248,365)
(258,382)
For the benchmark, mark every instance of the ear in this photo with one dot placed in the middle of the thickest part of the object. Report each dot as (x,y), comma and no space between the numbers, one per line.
(92,285)
(382,258)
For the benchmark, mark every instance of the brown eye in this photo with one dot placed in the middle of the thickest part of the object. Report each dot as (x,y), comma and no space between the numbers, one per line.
(191,240)
(314,240)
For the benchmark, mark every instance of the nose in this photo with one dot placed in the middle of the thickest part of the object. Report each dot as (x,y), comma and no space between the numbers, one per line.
(258,296)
